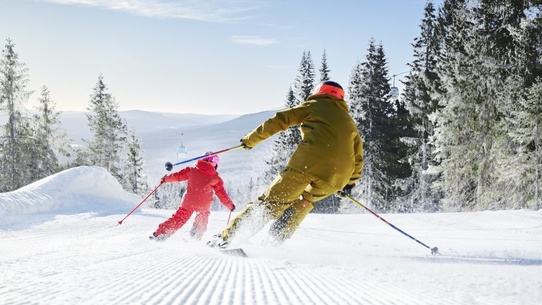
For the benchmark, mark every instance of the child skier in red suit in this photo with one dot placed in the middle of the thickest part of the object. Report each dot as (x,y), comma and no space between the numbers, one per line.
(202,181)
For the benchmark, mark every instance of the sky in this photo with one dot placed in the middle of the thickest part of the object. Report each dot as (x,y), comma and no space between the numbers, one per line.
(68,239)
(206,57)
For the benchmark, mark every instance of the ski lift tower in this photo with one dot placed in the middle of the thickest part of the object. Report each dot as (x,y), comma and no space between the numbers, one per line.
(181,150)
(394,91)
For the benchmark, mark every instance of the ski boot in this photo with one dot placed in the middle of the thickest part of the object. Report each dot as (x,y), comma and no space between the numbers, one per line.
(218,242)
(161,237)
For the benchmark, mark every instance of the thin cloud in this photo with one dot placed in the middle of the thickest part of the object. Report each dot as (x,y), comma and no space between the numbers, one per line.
(254,40)
(209,10)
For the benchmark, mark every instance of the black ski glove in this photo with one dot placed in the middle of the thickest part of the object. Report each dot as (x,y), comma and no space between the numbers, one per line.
(232,207)
(163,179)
(347,190)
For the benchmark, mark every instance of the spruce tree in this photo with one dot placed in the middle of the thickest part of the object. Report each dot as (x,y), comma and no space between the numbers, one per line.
(324,68)
(109,132)
(16,137)
(384,159)
(524,168)
(483,79)
(421,81)
(304,82)
(51,143)
(134,178)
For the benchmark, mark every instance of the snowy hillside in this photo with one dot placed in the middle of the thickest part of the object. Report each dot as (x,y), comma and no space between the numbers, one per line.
(236,166)
(160,134)
(76,122)
(61,244)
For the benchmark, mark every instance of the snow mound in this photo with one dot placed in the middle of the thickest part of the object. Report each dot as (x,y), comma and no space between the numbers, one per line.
(84,189)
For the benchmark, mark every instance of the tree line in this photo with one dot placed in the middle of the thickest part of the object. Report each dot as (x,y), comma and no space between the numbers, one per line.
(33,146)
(464,135)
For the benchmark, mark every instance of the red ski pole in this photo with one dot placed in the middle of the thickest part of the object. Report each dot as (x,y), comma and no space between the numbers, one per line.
(228,218)
(120,221)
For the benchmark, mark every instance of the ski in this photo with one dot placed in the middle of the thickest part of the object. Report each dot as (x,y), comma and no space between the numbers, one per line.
(233,252)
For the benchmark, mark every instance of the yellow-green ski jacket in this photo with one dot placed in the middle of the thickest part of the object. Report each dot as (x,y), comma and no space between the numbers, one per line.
(331,148)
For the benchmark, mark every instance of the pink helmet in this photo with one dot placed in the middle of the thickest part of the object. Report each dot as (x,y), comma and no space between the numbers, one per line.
(213,159)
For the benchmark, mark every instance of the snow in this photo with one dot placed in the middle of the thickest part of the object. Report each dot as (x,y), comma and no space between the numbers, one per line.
(61,243)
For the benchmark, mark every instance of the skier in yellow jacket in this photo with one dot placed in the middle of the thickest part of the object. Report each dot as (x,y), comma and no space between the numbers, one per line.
(328,159)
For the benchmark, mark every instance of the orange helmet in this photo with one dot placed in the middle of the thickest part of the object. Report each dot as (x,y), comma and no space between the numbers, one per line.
(330,88)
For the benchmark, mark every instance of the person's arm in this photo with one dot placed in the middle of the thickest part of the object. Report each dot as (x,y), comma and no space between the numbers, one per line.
(220,192)
(181,175)
(279,122)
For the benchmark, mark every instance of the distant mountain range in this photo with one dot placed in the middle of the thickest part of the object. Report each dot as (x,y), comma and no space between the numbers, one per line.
(160,135)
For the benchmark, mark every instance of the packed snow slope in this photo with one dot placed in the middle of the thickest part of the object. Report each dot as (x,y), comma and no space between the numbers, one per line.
(61,244)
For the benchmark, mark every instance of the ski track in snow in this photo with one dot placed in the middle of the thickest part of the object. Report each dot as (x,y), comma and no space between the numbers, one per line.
(83,259)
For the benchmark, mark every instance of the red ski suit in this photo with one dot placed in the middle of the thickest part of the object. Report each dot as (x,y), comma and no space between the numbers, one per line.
(202,181)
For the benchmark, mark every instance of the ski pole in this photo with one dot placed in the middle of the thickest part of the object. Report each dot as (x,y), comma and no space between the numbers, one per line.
(120,221)
(434,250)
(169,166)
(228,219)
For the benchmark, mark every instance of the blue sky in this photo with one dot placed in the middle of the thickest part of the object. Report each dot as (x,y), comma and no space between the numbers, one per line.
(196,56)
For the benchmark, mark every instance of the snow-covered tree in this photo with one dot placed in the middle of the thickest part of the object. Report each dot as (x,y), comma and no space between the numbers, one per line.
(484,69)
(324,68)
(15,138)
(304,82)
(108,129)
(377,119)
(419,85)
(51,143)
(134,178)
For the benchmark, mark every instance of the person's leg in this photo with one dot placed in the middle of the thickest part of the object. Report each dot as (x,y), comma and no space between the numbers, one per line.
(292,217)
(285,226)
(286,189)
(174,223)
(200,224)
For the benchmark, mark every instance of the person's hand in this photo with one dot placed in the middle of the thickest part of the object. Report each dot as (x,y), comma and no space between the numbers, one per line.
(347,190)
(232,207)
(244,146)
(163,179)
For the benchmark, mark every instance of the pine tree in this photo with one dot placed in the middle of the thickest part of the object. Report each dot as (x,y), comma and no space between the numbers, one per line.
(524,169)
(50,142)
(304,82)
(359,113)
(421,81)
(377,122)
(482,78)
(530,49)
(134,179)
(324,68)
(16,140)
(109,132)
(402,135)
